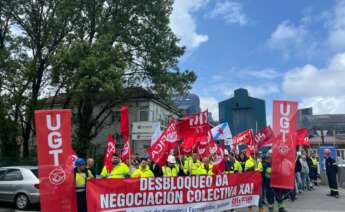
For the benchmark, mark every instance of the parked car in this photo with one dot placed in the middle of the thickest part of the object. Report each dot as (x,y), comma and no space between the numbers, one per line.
(19,185)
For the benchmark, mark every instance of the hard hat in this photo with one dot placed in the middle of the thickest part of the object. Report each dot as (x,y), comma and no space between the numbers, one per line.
(171,159)
(79,162)
(226,152)
(299,153)
(269,153)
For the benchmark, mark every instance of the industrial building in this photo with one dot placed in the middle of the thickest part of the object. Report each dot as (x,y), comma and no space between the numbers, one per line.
(243,112)
(325,129)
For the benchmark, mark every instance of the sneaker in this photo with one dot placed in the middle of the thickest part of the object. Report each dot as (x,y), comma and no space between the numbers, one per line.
(336,196)
(270,209)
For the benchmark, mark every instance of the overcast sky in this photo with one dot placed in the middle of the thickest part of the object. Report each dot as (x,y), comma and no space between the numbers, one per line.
(276,49)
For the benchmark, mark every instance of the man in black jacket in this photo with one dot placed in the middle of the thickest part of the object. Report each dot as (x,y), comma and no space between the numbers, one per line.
(331,171)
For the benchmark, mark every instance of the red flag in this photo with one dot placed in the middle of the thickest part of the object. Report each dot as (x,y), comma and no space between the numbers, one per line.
(55,160)
(124,130)
(302,137)
(218,160)
(192,125)
(193,129)
(264,137)
(245,137)
(110,151)
(284,148)
(202,151)
(168,140)
(126,151)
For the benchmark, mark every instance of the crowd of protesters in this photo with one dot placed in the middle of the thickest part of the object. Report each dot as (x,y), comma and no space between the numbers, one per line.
(306,172)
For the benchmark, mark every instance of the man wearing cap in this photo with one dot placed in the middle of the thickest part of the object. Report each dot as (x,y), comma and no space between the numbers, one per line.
(119,170)
(172,168)
(331,171)
(80,183)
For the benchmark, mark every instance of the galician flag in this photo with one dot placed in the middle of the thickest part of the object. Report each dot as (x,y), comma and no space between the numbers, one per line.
(221,132)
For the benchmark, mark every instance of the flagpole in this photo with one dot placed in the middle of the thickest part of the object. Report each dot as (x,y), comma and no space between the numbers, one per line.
(179,152)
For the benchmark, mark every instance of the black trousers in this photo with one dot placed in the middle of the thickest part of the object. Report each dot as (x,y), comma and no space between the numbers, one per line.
(81,200)
(332,183)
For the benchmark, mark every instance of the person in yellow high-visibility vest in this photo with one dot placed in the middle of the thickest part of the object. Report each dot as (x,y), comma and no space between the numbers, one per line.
(249,164)
(313,168)
(258,162)
(191,166)
(80,183)
(119,170)
(143,170)
(172,168)
(206,167)
(90,163)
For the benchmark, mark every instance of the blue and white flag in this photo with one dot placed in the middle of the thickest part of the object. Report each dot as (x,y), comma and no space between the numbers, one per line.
(221,132)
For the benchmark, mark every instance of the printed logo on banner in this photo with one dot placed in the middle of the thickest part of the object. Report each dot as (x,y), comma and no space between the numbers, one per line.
(213,148)
(172,134)
(284,127)
(57,176)
(125,148)
(54,138)
(199,119)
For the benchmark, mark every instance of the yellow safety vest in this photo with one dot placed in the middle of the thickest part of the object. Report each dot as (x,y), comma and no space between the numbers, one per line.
(258,166)
(89,173)
(142,173)
(170,172)
(191,167)
(268,172)
(314,161)
(80,180)
(250,164)
(202,170)
(237,166)
(120,171)
(187,161)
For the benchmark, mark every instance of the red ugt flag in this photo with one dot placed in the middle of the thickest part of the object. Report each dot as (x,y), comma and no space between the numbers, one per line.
(264,137)
(192,125)
(55,160)
(284,148)
(110,151)
(168,140)
(126,151)
(193,129)
(245,137)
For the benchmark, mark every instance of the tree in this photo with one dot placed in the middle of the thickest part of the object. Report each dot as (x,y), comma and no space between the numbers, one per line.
(118,44)
(8,127)
(88,51)
(45,25)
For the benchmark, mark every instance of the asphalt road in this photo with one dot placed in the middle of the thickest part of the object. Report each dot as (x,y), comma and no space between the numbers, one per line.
(310,201)
(6,207)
